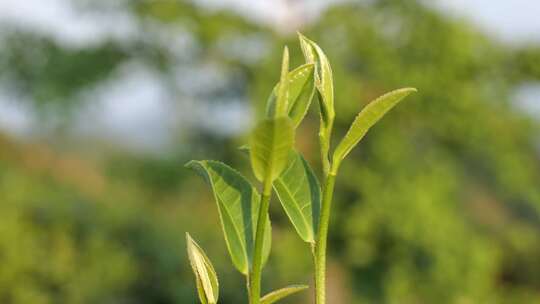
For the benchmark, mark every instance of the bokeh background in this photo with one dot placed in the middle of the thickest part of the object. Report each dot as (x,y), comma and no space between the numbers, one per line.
(102,102)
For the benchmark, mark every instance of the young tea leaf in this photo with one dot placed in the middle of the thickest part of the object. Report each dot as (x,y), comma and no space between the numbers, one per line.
(325,88)
(299,192)
(279,294)
(372,113)
(270,144)
(301,91)
(325,84)
(238,206)
(205,275)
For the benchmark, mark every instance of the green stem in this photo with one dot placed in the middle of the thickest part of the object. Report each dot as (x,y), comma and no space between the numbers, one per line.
(248,279)
(320,252)
(324,138)
(314,256)
(255,277)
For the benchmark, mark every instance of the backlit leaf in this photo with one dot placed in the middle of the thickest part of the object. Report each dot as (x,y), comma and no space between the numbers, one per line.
(238,205)
(299,192)
(279,294)
(205,275)
(270,144)
(372,113)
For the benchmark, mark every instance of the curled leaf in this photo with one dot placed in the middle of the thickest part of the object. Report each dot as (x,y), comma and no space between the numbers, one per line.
(325,84)
(205,275)
(325,87)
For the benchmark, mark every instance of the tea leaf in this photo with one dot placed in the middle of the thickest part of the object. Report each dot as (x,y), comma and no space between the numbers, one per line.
(325,88)
(299,192)
(270,144)
(325,85)
(205,275)
(301,91)
(238,206)
(370,115)
(279,294)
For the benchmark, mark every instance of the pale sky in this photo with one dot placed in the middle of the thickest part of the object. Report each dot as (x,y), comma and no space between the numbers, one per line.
(511,20)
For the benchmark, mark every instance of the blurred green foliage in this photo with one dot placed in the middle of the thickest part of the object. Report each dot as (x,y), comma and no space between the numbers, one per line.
(441,202)
(62,242)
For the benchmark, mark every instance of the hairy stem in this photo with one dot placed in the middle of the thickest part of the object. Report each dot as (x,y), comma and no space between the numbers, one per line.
(256,270)
(320,251)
